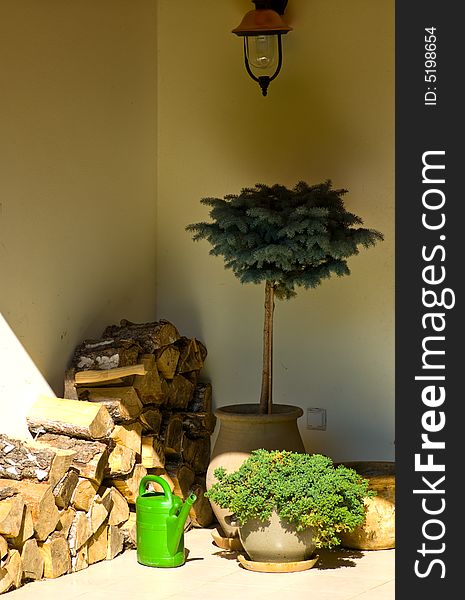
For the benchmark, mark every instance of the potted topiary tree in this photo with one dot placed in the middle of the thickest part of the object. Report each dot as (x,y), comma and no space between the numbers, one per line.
(282,238)
(287,504)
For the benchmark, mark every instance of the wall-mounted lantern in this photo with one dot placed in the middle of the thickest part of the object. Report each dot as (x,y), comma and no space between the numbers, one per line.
(262,29)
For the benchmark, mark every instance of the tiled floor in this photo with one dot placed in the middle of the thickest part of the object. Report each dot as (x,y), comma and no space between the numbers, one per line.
(211,573)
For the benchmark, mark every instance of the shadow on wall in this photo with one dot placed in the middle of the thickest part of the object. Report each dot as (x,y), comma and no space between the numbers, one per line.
(20,383)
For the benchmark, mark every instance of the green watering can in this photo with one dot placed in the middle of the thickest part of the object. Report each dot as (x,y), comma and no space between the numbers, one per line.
(160,519)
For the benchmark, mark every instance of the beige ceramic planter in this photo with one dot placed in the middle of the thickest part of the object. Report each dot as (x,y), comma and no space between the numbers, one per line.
(276,540)
(243,429)
(378,531)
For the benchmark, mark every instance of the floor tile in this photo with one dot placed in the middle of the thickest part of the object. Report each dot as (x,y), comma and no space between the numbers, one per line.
(384,591)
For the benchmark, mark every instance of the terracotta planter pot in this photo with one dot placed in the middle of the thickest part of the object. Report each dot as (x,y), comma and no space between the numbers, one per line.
(276,541)
(243,429)
(378,531)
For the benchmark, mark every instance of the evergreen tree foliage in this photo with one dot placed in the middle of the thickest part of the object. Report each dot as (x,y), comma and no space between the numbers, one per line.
(285,238)
(289,237)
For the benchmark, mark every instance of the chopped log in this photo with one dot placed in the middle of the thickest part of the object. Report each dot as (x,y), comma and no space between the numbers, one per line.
(120,462)
(84,494)
(122,403)
(151,421)
(3,548)
(74,380)
(99,511)
(69,386)
(153,454)
(120,382)
(165,388)
(32,560)
(6,581)
(63,460)
(202,349)
(94,469)
(202,398)
(180,392)
(26,530)
(190,355)
(90,457)
(201,511)
(167,361)
(128,529)
(7,490)
(66,520)
(14,567)
(172,434)
(80,532)
(182,478)
(97,547)
(32,460)
(40,499)
(196,424)
(119,508)
(196,452)
(11,516)
(17,463)
(80,561)
(129,486)
(193,377)
(115,542)
(148,386)
(106,375)
(98,515)
(129,435)
(69,417)
(106,354)
(57,560)
(150,336)
(64,489)
(105,499)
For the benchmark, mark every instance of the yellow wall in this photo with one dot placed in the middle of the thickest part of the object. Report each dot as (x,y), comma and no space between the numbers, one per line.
(79,193)
(77,180)
(329,114)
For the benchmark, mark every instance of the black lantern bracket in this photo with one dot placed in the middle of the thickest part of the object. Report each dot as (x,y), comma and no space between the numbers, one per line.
(278,6)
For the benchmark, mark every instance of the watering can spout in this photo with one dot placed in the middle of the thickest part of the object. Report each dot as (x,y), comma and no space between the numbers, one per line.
(179,521)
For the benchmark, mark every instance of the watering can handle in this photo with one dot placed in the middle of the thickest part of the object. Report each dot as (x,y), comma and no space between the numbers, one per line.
(164,484)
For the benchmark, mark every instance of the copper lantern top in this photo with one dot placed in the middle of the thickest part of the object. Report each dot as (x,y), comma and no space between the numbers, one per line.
(262,22)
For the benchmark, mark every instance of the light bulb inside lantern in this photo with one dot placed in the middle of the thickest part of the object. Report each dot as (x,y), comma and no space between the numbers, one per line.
(261,50)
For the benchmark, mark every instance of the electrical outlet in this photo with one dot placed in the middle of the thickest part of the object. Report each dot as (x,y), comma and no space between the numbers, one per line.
(316,418)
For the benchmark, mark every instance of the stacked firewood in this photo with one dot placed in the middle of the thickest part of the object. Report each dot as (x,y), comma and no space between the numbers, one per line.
(133,405)
(55,515)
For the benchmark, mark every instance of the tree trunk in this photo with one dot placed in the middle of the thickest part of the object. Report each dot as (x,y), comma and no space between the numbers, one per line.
(266,396)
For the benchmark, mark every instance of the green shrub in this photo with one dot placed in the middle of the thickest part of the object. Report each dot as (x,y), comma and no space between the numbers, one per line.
(307,490)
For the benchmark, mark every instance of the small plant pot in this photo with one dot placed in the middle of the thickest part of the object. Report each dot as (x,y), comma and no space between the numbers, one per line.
(276,540)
